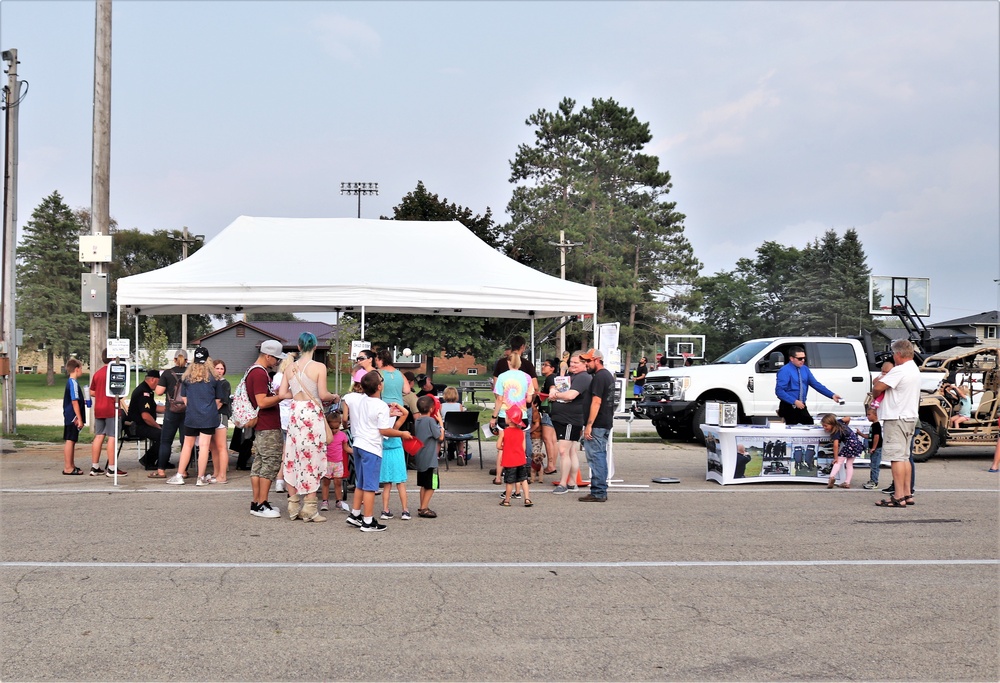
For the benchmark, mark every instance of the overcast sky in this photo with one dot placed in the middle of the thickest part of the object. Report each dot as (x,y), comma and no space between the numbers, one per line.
(777,120)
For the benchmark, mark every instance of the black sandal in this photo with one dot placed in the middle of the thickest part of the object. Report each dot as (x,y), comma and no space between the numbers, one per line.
(75,473)
(908,500)
(891,503)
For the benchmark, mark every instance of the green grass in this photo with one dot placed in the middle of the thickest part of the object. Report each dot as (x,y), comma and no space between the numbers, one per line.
(34,388)
(48,434)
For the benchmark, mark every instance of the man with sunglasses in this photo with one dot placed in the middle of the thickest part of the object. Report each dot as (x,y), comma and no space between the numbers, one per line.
(792,387)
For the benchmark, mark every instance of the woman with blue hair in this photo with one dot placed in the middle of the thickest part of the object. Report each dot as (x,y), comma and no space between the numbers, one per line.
(305,451)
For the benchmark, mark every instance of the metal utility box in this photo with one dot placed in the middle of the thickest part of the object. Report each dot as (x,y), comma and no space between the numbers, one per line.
(95,248)
(94,292)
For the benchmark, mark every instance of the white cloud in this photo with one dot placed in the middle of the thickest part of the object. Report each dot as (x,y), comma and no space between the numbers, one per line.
(345,39)
(722,130)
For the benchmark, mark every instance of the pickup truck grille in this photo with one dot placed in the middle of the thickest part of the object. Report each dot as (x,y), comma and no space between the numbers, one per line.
(657,389)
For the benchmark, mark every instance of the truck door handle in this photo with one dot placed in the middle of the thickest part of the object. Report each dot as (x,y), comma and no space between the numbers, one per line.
(857,379)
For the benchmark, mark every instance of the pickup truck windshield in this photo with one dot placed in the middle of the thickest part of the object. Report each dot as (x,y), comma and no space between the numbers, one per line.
(743,353)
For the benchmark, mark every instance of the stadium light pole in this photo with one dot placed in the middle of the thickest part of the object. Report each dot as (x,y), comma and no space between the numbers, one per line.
(359,189)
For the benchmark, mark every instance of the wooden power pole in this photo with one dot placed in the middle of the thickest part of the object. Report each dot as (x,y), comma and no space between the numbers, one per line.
(100,180)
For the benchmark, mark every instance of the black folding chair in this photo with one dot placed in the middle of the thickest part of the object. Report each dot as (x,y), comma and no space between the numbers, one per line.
(461,427)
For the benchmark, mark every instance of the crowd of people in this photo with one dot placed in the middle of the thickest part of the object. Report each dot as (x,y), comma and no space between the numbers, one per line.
(309,441)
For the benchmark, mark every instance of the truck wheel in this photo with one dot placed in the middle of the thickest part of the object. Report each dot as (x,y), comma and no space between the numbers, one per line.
(698,419)
(925,442)
(664,431)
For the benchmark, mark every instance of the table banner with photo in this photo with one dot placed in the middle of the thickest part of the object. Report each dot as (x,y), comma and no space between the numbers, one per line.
(749,453)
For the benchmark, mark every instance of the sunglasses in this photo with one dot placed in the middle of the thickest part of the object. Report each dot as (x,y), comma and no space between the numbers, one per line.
(798,357)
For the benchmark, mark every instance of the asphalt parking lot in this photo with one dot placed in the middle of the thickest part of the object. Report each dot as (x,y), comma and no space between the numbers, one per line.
(687,581)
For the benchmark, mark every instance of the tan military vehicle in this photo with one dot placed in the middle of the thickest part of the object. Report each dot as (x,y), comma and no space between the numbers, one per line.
(974,368)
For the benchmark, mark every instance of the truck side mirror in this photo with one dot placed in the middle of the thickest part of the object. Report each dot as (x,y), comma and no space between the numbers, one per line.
(776,359)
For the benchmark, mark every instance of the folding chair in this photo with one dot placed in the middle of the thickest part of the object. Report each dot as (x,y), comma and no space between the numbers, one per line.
(129,433)
(461,427)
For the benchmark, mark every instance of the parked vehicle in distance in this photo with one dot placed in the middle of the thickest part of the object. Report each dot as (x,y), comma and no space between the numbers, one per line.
(974,368)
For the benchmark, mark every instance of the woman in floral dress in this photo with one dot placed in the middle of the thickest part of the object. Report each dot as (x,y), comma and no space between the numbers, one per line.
(305,453)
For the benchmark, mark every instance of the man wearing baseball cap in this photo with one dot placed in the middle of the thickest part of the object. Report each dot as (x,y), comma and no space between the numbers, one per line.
(599,407)
(267,444)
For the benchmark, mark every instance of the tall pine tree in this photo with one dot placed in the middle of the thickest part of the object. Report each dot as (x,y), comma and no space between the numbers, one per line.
(586,174)
(48,283)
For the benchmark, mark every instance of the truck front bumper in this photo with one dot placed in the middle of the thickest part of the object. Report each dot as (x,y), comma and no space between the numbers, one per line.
(664,411)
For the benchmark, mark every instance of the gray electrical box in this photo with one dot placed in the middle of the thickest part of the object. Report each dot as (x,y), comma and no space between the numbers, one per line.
(94,293)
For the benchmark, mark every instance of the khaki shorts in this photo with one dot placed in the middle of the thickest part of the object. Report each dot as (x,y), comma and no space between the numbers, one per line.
(267,446)
(896,438)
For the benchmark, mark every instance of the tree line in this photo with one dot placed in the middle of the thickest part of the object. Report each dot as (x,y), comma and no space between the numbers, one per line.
(584,175)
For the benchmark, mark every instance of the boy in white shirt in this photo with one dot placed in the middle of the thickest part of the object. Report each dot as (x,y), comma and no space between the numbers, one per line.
(371,419)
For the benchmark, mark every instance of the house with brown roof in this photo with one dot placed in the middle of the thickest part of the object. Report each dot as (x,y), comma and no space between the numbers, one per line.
(238,344)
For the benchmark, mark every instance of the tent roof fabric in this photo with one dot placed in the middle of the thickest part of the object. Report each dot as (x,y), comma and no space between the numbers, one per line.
(341,264)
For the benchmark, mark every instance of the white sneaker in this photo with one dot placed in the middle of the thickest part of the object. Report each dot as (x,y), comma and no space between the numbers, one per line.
(203,481)
(341,505)
(279,486)
(177,480)
(265,510)
(324,506)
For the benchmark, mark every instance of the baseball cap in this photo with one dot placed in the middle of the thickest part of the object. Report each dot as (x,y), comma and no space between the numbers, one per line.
(592,354)
(201,355)
(153,373)
(272,347)
(181,353)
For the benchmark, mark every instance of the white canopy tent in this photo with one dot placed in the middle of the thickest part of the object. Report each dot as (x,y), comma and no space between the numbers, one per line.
(352,265)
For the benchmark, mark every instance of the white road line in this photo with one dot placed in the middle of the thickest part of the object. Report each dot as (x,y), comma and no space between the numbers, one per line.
(488,565)
(670,489)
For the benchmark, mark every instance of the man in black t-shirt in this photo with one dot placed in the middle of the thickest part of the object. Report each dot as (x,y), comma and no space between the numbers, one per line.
(173,423)
(599,411)
(142,413)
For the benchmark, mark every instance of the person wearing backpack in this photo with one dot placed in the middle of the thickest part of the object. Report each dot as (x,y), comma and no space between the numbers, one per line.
(267,445)
(173,422)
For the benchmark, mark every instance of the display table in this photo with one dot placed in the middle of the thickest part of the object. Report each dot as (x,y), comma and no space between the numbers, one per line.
(751,454)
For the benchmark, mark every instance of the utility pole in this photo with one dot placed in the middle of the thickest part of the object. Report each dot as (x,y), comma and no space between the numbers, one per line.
(100,179)
(564,246)
(8,355)
(359,189)
(186,239)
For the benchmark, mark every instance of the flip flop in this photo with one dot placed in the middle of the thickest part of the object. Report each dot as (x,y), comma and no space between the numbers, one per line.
(548,472)
(221,481)
(156,475)
(497,482)
(76,472)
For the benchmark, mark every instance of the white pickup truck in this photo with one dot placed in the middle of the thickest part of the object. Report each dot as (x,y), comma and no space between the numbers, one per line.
(674,398)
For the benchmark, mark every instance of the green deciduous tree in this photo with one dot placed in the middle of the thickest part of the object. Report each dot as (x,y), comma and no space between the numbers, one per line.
(48,283)
(431,334)
(821,289)
(585,174)
(139,252)
(155,341)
